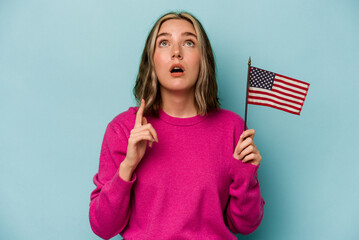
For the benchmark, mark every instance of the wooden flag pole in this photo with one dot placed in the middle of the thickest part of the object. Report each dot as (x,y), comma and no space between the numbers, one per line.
(248,77)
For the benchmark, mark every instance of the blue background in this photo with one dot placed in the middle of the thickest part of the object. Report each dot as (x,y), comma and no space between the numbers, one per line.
(68,67)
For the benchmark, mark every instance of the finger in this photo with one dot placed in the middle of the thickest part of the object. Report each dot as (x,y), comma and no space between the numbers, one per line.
(240,146)
(253,162)
(139,114)
(249,157)
(134,140)
(253,158)
(144,134)
(244,144)
(153,131)
(240,140)
(151,128)
(235,156)
(147,127)
(248,150)
(248,133)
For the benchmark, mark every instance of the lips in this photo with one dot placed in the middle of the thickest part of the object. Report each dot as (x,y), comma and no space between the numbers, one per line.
(177,70)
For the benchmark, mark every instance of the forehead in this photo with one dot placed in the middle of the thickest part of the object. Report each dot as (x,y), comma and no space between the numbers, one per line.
(176,25)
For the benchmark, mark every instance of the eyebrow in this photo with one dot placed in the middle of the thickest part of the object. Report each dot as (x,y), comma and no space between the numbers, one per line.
(183,34)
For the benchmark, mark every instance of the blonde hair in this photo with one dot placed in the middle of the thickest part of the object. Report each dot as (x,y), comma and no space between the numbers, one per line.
(147,86)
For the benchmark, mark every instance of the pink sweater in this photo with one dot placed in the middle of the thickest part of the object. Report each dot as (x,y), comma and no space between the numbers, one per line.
(187,186)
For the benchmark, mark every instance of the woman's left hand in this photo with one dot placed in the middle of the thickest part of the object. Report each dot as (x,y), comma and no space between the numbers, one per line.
(246,150)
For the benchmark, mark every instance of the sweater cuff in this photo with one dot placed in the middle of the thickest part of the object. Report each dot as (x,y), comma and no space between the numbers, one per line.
(246,171)
(121,185)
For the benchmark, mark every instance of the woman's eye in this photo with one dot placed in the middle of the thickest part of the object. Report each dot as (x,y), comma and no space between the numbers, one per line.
(163,43)
(189,44)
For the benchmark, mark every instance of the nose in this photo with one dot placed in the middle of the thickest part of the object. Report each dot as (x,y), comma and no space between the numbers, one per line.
(176,52)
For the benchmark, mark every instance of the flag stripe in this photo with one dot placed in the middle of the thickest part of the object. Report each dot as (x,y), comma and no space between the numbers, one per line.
(286,104)
(274,102)
(292,79)
(275,94)
(275,99)
(289,88)
(289,93)
(295,86)
(270,104)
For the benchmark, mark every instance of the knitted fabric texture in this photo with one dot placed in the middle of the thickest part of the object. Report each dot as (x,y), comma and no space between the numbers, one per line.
(187,186)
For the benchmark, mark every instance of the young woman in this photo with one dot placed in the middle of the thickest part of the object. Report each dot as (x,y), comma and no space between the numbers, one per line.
(177,166)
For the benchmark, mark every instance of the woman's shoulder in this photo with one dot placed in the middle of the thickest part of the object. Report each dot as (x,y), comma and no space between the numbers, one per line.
(227,120)
(125,119)
(226,116)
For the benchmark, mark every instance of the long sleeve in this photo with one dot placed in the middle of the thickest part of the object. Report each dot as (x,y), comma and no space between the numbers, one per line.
(110,201)
(244,211)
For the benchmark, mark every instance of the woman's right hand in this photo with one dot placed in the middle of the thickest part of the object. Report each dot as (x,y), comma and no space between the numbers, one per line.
(140,134)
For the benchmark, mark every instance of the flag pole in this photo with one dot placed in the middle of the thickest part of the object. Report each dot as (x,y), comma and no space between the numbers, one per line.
(248,76)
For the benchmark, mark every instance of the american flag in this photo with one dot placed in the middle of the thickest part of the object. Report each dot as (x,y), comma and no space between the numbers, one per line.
(277,91)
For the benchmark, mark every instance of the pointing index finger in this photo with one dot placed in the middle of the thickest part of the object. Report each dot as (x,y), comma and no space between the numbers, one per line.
(139,114)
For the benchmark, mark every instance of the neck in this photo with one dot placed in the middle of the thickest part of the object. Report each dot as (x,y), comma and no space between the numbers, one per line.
(178,104)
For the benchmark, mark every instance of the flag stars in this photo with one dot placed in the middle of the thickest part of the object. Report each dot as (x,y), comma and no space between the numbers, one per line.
(261,78)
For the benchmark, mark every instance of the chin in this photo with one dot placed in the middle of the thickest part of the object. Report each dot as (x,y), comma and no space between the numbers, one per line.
(177,88)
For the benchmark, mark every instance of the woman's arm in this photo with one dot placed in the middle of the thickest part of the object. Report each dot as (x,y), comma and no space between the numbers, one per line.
(244,212)
(110,201)
(120,155)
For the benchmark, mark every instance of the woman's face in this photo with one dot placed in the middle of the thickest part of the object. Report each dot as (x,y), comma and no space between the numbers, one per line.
(177,56)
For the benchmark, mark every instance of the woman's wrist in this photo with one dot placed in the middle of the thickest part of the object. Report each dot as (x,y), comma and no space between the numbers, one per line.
(125,171)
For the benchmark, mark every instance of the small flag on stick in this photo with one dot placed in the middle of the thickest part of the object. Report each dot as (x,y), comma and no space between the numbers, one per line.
(274,90)
(277,91)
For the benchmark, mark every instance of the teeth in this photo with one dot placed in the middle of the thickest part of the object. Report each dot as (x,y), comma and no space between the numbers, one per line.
(176,69)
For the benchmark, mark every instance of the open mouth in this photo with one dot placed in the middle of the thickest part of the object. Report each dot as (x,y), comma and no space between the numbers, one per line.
(176,70)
